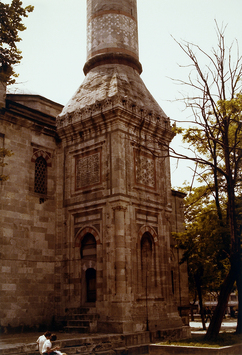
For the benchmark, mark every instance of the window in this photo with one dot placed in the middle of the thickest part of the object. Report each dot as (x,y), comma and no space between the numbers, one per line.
(88,247)
(40,180)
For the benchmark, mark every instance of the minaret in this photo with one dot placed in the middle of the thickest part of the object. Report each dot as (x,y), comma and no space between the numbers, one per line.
(112,34)
(115,193)
(112,54)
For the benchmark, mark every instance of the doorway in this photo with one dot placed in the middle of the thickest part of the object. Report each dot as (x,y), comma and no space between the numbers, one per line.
(88,278)
(91,285)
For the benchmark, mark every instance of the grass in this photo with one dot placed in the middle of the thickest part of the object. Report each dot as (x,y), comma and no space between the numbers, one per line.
(224,339)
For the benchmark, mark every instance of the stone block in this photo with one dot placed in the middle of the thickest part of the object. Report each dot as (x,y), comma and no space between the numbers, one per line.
(9,287)
(6,269)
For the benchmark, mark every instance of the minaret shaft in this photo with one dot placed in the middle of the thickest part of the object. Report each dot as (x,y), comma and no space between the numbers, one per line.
(112,33)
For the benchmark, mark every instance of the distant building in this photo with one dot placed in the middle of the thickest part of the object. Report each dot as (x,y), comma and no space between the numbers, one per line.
(88,211)
(211,302)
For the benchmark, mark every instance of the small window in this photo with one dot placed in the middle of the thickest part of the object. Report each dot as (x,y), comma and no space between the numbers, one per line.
(40,181)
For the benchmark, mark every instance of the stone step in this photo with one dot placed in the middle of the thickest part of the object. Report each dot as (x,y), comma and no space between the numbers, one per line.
(133,350)
(84,316)
(106,352)
(76,329)
(77,323)
(81,320)
(82,310)
(90,344)
(87,350)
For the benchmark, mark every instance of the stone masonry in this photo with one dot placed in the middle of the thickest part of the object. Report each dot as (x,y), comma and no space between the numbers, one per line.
(27,226)
(87,213)
(115,195)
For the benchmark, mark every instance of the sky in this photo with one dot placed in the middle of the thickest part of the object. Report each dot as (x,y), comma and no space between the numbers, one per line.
(54,50)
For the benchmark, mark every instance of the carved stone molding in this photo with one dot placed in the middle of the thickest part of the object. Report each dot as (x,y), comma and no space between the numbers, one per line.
(120,207)
(109,104)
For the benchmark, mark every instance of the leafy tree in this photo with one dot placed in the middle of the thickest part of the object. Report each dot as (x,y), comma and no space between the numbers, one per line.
(11,25)
(215,138)
(215,145)
(205,244)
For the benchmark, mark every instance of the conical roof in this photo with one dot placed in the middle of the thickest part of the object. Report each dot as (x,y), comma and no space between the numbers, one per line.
(108,81)
(112,69)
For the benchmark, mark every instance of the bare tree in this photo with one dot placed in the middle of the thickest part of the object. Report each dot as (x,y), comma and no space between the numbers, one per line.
(215,144)
(215,138)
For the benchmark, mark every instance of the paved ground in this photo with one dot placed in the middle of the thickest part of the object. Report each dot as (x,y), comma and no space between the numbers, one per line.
(6,340)
(228,325)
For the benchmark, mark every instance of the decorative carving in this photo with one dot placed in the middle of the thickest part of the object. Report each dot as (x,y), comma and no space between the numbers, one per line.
(108,104)
(120,207)
(145,169)
(104,26)
(88,170)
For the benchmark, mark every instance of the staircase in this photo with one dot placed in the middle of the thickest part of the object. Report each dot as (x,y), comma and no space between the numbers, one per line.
(82,320)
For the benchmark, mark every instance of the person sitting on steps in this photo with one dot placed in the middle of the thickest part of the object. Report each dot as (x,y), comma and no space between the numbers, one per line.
(41,340)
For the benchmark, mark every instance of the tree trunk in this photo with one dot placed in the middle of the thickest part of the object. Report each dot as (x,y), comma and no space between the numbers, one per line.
(217,318)
(199,291)
(239,287)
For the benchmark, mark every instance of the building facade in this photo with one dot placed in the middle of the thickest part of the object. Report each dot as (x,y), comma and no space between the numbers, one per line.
(88,211)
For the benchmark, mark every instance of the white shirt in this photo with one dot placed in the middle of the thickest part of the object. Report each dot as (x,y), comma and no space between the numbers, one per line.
(41,341)
(47,344)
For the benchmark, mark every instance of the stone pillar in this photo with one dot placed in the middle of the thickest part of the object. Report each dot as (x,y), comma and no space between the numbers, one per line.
(120,272)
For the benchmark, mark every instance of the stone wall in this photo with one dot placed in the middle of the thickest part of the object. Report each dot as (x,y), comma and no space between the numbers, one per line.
(103,181)
(27,222)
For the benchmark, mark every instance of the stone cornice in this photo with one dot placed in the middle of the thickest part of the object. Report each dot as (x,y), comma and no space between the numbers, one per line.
(113,58)
(140,114)
(28,117)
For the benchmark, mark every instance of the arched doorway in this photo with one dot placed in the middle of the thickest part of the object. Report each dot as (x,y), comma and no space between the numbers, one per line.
(146,270)
(146,261)
(91,285)
(88,279)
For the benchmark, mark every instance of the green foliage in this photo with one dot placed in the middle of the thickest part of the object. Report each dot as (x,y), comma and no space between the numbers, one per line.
(218,139)
(205,241)
(176,130)
(4,153)
(11,25)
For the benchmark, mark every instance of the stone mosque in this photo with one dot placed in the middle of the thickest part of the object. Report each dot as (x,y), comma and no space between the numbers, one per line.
(88,212)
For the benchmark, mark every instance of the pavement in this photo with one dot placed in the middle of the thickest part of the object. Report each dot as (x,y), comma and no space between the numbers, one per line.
(228,325)
(8,340)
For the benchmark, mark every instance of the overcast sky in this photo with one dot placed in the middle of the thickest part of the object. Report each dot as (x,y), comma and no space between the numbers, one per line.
(54,48)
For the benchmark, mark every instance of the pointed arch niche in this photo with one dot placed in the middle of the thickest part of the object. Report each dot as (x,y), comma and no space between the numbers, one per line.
(148,263)
(87,240)
(39,182)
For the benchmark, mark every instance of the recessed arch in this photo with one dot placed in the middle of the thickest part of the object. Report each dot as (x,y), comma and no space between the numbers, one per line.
(150,230)
(84,231)
(88,247)
(41,153)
